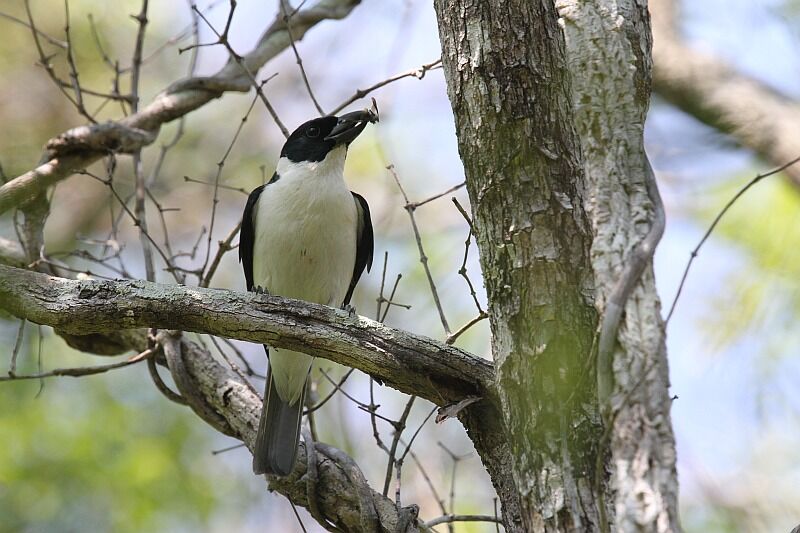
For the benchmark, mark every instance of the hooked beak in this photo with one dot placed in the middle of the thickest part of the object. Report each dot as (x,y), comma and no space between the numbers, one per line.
(350,125)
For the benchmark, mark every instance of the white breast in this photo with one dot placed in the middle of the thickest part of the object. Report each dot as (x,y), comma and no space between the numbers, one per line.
(305,248)
(306,225)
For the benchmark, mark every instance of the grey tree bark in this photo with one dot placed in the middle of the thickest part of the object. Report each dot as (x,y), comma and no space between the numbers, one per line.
(573,427)
(549,103)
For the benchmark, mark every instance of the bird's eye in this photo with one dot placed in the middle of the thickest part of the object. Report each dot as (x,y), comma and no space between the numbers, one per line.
(312,131)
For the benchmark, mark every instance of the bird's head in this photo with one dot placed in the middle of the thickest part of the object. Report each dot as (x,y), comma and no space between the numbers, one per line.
(315,139)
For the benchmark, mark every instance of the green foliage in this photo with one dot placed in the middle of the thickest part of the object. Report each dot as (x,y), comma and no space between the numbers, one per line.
(765,224)
(104,453)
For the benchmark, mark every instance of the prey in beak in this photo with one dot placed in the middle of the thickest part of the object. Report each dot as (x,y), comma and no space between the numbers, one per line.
(350,125)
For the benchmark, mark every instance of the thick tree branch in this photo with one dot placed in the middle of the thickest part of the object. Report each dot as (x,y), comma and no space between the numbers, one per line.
(714,92)
(230,401)
(80,147)
(410,363)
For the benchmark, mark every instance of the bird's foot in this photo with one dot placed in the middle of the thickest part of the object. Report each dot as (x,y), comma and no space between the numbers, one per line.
(258,289)
(351,311)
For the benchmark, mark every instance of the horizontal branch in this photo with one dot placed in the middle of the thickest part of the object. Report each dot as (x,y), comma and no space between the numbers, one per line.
(80,147)
(714,92)
(410,363)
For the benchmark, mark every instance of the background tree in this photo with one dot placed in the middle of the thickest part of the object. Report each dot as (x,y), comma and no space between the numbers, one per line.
(563,205)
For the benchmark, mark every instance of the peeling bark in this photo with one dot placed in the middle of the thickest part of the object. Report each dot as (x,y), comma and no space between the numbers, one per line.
(549,109)
(611,94)
(508,84)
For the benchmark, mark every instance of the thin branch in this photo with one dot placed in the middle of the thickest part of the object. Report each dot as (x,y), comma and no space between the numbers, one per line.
(73,69)
(84,144)
(418,73)
(462,518)
(409,207)
(713,225)
(224,246)
(222,38)
(287,19)
(400,425)
(215,200)
(82,371)
(51,40)
(12,369)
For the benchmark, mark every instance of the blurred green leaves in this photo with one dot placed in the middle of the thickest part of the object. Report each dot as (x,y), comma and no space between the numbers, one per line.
(104,453)
(765,225)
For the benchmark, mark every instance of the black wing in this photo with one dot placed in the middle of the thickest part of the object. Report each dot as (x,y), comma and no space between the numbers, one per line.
(364,244)
(247,236)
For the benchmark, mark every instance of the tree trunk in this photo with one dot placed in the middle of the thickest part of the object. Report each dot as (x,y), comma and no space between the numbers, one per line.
(550,155)
(505,65)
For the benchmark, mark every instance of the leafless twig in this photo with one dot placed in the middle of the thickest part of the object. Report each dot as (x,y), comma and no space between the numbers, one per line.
(287,19)
(409,207)
(82,371)
(713,225)
(418,73)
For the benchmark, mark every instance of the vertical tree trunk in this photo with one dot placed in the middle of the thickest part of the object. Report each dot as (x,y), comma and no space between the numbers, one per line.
(549,114)
(609,52)
(505,65)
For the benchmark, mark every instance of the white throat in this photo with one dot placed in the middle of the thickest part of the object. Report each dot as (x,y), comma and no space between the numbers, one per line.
(330,167)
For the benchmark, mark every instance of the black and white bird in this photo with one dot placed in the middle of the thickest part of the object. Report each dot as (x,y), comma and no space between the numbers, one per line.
(304,235)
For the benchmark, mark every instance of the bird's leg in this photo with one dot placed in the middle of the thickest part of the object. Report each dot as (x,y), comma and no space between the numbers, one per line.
(351,311)
(258,289)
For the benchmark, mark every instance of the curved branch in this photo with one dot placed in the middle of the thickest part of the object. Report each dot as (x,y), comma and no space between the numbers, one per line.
(410,363)
(714,92)
(78,148)
(239,405)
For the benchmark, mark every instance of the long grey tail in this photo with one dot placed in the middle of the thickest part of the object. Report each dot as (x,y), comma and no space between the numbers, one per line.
(278,432)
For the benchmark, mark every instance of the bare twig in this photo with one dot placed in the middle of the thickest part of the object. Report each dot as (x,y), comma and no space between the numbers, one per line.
(73,69)
(224,246)
(176,101)
(44,59)
(713,225)
(418,73)
(51,40)
(287,19)
(222,38)
(215,201)
(82,371)
(399,426)
(12,369)
(409,207)
(462,518)
(220,185)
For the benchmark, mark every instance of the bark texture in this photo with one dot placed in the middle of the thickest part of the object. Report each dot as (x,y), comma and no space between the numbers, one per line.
(411,363)
(508,83)
(611,93)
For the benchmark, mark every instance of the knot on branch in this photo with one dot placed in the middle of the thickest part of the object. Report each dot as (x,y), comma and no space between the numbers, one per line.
(107,137)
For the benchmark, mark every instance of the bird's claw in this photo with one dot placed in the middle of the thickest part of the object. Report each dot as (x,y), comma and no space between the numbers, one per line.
(258,289)
(351,311)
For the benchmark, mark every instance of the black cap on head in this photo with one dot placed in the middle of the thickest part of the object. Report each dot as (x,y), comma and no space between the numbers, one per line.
(314,139)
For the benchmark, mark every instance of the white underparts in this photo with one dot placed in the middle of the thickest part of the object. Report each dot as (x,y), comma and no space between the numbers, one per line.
(305,247)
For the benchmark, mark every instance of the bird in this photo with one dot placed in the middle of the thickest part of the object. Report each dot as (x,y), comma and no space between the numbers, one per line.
(304,235)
